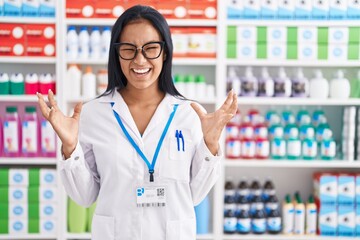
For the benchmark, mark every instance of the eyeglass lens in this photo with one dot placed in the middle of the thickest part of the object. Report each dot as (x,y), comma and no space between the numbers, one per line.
(149,50)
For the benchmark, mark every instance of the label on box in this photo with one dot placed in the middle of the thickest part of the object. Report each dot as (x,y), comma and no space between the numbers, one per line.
(246,51)
(234,9)
(346,221)
(286,9)
(307,35)
(346,190)
(320,9)
(269,8)
(339,35)
(276,51)
(18,177)
(18,194)
(47,177)
(328,190)
(307,51)
(328,221)
(18,226)
(18,210)
(251,9)
(246,34)
(338,51)
(276,34)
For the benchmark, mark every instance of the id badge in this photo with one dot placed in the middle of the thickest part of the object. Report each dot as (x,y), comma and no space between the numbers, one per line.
(151,196)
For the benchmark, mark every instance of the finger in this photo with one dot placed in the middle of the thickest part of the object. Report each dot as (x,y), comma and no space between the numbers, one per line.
(77,111)
(199,110)
(228,100)
(43,106)
(52,100)
(234,105)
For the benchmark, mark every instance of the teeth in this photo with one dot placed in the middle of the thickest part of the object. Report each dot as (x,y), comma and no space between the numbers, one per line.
(141,70)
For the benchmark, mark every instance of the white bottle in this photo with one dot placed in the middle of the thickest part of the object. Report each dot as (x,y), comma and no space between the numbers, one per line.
(249,84)
(105,42)
(265,84)
(300,84)
(72,43)
(319,82)
(102,81)
(234,81)
(73,81)
(282,84)
(340,86)
(84,43)
(89,83)
(95,43)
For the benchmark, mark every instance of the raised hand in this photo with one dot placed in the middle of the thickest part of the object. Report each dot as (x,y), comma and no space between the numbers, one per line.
(67,128)
(212,124)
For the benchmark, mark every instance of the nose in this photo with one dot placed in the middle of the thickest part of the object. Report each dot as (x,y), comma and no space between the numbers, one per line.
(139,58)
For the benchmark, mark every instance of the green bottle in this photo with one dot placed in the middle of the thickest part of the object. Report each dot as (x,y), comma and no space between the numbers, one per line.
(355,87)
(77,217)
(90,214)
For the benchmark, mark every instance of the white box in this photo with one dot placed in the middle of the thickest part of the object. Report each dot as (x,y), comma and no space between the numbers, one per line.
(307,51)
(252,9)
(276,34)
(48,194)
(235,9)
(18,210)
(328,221)
(246,51)
(276,51)
(48,210)
(246,34)
(269,9)
(325,188)
(18,177)
(338,35)
(353,9)
(346,190)
(48,226)
(307,35)
(18,226)
(320,9)
(338,9)
(47,177)
(346,221)
(338,52)
(18,194)
(303,9)
(286,9)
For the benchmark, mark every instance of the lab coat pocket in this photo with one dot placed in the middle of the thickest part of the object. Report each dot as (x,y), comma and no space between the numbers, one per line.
(103,227)
(181,229)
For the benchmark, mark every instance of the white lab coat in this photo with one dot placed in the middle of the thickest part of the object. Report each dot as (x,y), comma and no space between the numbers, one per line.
(105,167)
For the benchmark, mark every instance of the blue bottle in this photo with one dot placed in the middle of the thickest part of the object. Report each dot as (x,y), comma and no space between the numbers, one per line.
(202,212)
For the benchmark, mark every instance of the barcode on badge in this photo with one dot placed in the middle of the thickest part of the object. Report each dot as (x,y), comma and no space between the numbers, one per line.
(151,205)
(161,192)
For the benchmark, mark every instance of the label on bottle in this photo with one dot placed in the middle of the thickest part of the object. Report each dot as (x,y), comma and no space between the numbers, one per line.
(273,224)
(262,149)
(309,149)
(328,149)
(233,148)
(243,225)
(11,141)
(294,148)
(230,224)
(258,225)
(288,219)
(47,138)
(248,149)
(311,221)
(278,148)
(29,137)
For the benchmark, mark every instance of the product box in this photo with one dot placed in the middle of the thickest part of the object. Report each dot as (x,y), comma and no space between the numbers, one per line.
(12,33)
(18,194)
(4,177)
(12,49)
(18,226)
(232,34)
(323,35)
(346,190)
(40,33)
(325,188)
(111,8)
(40,49)
(18,210)
(307,34)
(339,35)
(4,194)
(202,9)
(292,51)
(357,220)
(328,221)
(320,9)
(177,9)
(338,9)
(353,9)
(180,39)
(234,9)
(202,42)
(231,50)
(269,9)
(48,210)
(286,9)
(47,177)
(18,177)
(357,189)
(246,34)
(346,221)
(252,9)
(30,8)
(47,8)
(277,34)
(246,51)
(12,7)
(43,226)
(307,51)
(80,9)
(42,194)
(1,7)
(276,51)
(338,51)
(303,9)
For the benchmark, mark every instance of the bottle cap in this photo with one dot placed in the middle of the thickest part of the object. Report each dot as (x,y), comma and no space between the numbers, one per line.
(11,109)
(88,69)
(190,79)
(30,109)
(200,78)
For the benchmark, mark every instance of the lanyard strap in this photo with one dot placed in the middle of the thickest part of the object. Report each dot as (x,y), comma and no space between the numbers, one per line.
(138,150)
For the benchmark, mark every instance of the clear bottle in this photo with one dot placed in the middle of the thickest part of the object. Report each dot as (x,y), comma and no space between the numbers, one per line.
(30,133)
(328,146)
(48,139)
(265,84)
(293,144)
(84,43)
(233,81)
(282,84)
(95,43)
(309,145)
(105,42)
(88,83)
(300,85)
(249,84)
(72,43)
(11,133)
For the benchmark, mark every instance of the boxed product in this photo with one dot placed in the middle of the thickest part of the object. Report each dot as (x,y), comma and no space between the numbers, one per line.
(325,188)
(234,9)
(346,189)
(346,221)
(328,221)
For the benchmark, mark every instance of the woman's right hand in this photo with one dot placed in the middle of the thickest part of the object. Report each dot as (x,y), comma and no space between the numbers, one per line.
(67,128)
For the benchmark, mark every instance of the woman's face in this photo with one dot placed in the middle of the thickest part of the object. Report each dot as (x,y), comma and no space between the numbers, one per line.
(140,72)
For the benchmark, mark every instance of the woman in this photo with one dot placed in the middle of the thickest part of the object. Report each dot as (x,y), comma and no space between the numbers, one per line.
(141,150)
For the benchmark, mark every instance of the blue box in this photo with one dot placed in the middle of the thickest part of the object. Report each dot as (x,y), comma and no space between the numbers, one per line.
(328,221)
(353,10)
(235,9)
(286,9)
(303,9)
(357,228)
(251,9)
(357,189)
(346,190)
(320,10)
(47,8)
(346,221)
(12,8)
(30,8)
(269,9)
(338,9)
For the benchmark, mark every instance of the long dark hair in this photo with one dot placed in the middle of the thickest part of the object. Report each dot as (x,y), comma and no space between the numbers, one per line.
(116,78)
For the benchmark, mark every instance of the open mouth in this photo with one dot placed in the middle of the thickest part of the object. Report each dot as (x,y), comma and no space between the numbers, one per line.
(142,71)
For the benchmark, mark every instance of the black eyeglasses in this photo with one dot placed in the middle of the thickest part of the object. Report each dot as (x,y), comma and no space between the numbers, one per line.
(150,50)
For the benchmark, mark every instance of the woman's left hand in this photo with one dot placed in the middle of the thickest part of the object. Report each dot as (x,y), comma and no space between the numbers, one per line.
(213,123)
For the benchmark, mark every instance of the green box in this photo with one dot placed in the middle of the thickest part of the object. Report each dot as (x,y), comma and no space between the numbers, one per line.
(34,210)
(4,176)
(17,88)
(33,194)
(322,51)
(292,51)
(4,226)
(261,51)
(4,194)
(354,51)
(292,35)
(4,211)
(261,34)
(231,50)
(34,225)
(34,176)
(354,35)
(231,34)
(4,88)
(323,35)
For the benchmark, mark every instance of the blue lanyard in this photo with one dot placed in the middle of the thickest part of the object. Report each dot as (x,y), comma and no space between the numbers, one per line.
(152,165)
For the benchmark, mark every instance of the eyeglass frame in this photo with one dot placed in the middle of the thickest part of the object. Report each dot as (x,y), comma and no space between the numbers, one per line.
(117,45)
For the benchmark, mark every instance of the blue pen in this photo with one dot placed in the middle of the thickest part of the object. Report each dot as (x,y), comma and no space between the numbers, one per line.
(182,140)
(177,139)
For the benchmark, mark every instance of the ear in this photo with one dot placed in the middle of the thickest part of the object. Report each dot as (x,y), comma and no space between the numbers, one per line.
(164,57)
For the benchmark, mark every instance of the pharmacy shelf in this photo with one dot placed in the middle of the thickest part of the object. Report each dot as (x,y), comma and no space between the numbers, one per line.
(271,163)
(111,21)
(279,101)
(18,98)
(280,237)
(27,236)
(28,60)
(40,20)
(292,63)
(28,161)
(87,236)
(295,23)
